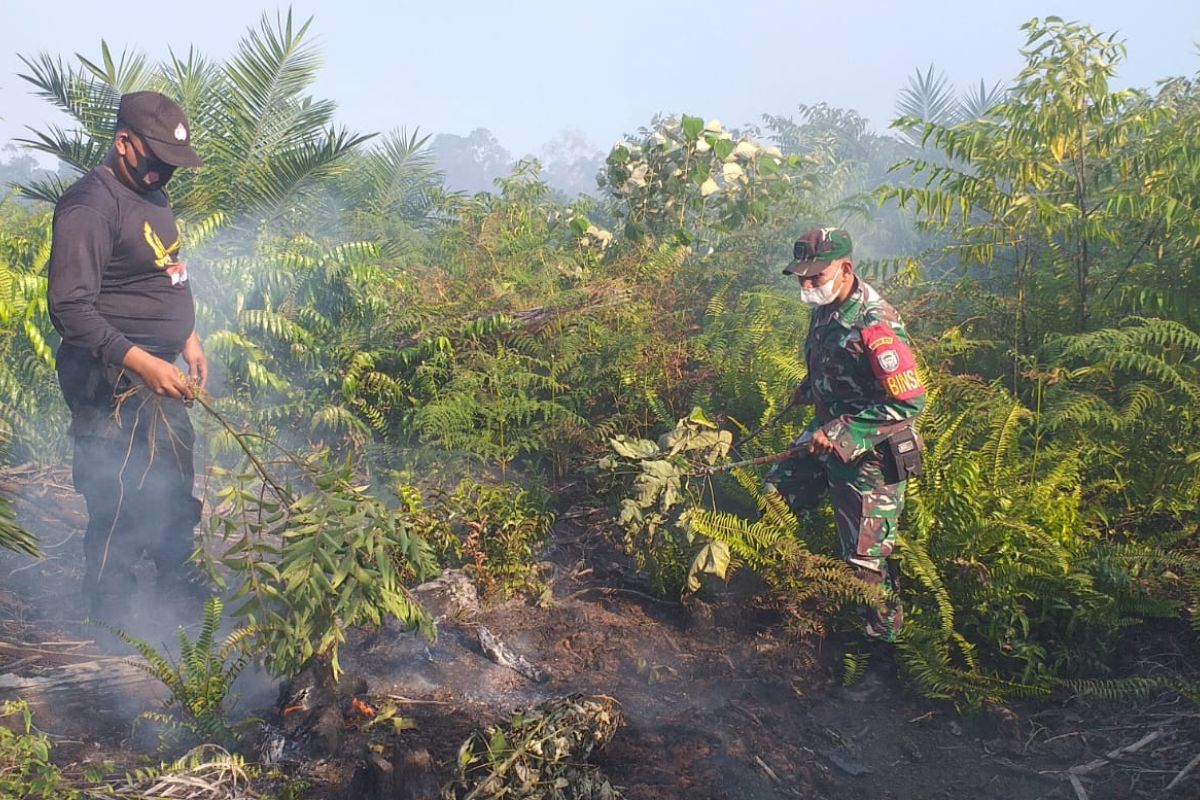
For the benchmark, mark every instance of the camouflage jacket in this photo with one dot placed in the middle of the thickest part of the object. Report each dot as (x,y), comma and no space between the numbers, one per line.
(862,376)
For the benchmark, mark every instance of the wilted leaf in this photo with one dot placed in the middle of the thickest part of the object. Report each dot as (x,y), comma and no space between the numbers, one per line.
(670,494)
(713,559)
(630,513)
(662,470)
(647,489)
(634,448)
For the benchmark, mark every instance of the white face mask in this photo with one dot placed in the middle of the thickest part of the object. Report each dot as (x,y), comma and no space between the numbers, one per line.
(817,296)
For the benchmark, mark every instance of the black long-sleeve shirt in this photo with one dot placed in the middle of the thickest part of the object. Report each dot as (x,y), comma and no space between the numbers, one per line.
(114,276)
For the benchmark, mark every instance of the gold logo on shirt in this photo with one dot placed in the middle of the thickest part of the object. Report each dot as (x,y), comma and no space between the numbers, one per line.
(164,255)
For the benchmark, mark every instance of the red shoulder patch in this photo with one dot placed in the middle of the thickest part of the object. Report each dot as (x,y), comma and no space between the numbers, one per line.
(893,362)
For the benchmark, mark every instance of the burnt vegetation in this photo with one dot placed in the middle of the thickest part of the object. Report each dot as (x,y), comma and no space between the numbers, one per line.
(522,390)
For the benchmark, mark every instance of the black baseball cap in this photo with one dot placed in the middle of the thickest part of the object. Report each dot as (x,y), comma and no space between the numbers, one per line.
(162,124)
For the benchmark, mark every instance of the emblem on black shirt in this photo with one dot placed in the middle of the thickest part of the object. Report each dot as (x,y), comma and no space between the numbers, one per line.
(166,256)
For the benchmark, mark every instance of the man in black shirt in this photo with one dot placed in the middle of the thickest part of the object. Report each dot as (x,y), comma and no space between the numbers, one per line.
(119,296)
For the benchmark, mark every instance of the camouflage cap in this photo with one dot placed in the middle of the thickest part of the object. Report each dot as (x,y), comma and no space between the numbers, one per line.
(814,251)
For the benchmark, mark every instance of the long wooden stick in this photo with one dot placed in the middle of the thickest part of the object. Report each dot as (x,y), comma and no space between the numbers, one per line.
(791,452)
(1183,773)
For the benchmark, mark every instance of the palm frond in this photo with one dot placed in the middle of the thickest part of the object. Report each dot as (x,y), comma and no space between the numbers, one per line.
(928,98)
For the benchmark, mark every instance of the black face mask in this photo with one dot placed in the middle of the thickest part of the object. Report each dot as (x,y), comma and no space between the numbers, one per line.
(140,167)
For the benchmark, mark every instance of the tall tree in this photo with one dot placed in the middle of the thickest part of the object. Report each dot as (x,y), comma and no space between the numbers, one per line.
(1030,188)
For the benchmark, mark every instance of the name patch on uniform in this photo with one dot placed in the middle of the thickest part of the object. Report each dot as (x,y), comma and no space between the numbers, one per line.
(893,362)
(880,342)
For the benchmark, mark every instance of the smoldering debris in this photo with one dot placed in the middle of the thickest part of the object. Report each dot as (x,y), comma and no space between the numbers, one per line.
(540,754)
(450,596)
(495,649)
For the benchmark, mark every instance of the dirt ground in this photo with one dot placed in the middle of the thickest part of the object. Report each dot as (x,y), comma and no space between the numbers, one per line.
(717,702)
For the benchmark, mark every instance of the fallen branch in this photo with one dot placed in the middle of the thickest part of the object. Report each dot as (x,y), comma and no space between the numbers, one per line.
(1183,773)
(770,772)
(411,701)
(609,590)
(1111,755)
(39,654)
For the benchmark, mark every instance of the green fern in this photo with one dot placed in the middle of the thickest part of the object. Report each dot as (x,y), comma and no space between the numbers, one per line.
(201,680)
(854,666)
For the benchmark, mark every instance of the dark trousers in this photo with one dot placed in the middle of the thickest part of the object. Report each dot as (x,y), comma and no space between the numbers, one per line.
(134,467)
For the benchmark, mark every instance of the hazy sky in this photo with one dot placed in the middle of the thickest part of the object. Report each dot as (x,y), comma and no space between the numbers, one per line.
(527,70)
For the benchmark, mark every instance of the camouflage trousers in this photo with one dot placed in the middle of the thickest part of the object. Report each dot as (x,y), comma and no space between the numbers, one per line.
(866,508)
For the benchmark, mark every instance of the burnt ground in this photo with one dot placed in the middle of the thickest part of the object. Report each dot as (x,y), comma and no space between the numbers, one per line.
(717,702)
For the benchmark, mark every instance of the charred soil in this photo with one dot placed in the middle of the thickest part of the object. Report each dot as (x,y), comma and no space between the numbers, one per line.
(717,702)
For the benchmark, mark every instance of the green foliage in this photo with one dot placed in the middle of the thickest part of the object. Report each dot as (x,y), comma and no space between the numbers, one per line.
(1130,394)
(687,178)
(1051,191)
(1133,688)
(494,406)
(299,333)
(201,680)
(30,410)
(929,98)
(1011,582)
(28,387)
(808,588)
(314,556)
(25,767)
(655,514)
(13,536)
(854,665)
(392,187)
(494,531)
(508,332)
(749,347)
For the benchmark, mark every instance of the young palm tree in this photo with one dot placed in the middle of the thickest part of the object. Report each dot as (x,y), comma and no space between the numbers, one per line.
(929,98)
(265,142)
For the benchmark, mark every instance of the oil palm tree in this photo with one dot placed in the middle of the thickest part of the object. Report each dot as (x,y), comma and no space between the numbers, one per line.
(266,143)
(929,98)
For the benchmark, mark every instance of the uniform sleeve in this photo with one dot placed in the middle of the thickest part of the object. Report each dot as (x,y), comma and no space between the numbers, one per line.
(80,250)
(899,387)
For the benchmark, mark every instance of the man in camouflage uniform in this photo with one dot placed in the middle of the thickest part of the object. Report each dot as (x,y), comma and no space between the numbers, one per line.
(863,380)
